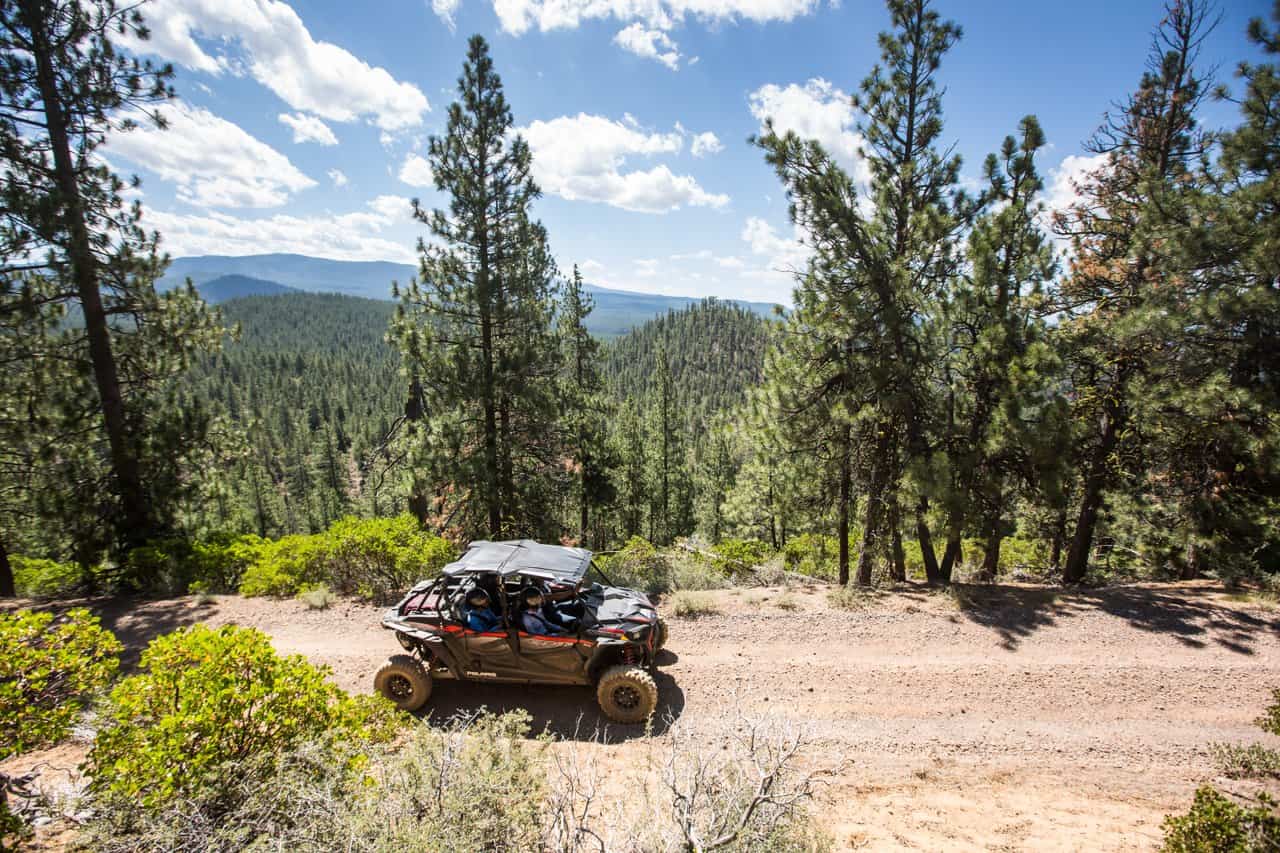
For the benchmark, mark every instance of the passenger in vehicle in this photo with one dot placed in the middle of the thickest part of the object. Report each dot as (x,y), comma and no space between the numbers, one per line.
(532,620)
(558,612)
(479,613)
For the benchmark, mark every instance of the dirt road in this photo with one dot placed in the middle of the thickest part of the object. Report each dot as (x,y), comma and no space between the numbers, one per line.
(1009,718)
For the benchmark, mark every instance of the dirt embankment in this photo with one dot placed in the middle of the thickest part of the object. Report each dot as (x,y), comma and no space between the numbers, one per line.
(997,718)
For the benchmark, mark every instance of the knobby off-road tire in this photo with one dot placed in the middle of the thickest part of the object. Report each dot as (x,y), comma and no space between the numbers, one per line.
(660,639)
(627,694)
(405,681)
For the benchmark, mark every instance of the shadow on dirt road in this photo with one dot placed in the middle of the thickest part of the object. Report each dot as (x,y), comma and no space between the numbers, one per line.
(1192,616)
(569,713)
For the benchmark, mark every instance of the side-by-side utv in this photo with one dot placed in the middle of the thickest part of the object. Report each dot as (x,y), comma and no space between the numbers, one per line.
(614,636)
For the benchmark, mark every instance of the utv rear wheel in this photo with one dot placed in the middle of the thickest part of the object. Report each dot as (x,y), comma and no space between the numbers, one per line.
(627,694)
(405,681)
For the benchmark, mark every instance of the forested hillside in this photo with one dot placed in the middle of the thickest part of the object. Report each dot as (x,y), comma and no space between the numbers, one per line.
(313,389)
(714,351)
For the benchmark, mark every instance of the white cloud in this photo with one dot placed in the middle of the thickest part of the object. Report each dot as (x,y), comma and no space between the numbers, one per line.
(446,9)
(1062,185)
(278,51)
(339,179)
(650,44)
(211,161)
(519,16)
(817,110)
(308,129)
(705,144)
(416,172)
(355,236)
(581,158)
(781,255)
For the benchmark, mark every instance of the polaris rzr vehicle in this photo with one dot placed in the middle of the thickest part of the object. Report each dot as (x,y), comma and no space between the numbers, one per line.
(612,637)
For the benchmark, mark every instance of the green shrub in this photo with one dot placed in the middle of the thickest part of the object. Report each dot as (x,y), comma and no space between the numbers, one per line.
(476,785)
(1216,824)
(815,555)
(380,557)
(219,562)
(212,705)
(638,565)
(1245,762)
(375,558)
(36,577)
(691,605)
(735,556)
(49,667)
(285,565)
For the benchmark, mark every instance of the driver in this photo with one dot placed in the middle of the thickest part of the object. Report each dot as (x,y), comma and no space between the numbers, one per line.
(479,613)
(532,621)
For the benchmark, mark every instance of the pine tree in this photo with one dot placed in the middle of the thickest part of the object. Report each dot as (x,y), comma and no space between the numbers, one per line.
(72,247)
(585,414)
(1003,404)
(1122,296)
(475,329)
(1216,451)
(876,276)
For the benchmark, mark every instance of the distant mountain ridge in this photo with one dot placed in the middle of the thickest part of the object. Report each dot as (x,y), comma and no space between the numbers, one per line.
(234,286)
(616,311)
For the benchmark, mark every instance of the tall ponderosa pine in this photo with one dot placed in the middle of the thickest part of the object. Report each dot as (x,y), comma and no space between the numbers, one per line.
(1123,298)
(476,329)
(876,275)
(78,283)
(670,489)
(585,406)
(1218,441)
(1004,413)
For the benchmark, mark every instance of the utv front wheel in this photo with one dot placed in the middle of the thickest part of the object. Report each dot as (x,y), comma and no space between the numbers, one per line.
(627,694)
(660,638)
(404,681)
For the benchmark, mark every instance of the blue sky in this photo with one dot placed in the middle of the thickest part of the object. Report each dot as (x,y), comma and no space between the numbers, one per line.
(301,124)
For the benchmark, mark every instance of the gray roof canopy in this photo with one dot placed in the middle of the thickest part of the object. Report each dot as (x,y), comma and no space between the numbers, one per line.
(522,556)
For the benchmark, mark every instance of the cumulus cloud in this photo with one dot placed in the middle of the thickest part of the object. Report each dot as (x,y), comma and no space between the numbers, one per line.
(355,236)
(278,51)
(308,129)
(416,172)
(780,254)
(705,144)
(211,161)
(1061,186)
(582,158)
(519,16)
(338,177)
(650,44)
(817,110)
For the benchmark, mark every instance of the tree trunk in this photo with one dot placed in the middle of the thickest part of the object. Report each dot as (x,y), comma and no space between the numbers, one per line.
(842,510)
(898,568)
(7,589)
(991,559)
(932,572)
(949,557)
(136,509)
(873,515)
(1091,502)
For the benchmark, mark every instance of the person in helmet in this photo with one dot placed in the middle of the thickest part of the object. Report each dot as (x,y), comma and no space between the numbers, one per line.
(532,619)
(479,611)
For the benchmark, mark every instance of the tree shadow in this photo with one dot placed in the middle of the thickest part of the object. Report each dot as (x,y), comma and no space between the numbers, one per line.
(135,622)
(1189,615)
(569,713)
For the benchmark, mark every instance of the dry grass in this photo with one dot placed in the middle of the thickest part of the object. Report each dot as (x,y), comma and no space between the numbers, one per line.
(691,605)
(317,597)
